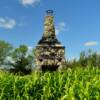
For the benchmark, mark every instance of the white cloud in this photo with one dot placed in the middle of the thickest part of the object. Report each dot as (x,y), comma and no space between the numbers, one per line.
(29,2)
(61,27)
(7,23)
(91,43)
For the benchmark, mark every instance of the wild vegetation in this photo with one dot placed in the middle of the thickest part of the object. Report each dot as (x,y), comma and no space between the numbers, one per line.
(15,60)
(22,58)
(71,84)
(80,79)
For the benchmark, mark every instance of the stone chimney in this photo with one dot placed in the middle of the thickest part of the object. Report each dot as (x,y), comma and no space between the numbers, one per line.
(49,28)
(49,51)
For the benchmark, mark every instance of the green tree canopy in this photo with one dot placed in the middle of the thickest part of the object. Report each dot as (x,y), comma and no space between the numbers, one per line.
(5,50)
(23,59)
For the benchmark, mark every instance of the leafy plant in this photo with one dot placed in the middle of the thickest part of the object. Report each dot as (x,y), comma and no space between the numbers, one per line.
(78,84)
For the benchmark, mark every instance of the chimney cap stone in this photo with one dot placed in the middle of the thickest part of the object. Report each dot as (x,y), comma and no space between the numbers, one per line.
(49,12)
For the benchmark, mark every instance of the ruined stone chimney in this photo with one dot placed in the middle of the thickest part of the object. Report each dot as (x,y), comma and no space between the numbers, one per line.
(49,28)
(50,54)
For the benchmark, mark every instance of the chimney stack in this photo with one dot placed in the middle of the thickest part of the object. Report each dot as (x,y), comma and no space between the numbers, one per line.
(49,28)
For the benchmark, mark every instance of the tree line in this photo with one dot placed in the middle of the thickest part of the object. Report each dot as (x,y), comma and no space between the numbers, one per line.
(21,59)
(87,58)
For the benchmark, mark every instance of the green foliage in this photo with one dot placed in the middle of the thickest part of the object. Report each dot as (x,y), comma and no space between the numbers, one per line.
(20,58)
(20,52)
(71,84)
(89,58)
(5,50)
(23,61)
(86,59)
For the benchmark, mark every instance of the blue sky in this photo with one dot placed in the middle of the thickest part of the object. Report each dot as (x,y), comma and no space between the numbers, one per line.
(77,23)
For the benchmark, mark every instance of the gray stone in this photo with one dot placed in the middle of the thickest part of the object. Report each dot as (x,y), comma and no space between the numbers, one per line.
(50,54)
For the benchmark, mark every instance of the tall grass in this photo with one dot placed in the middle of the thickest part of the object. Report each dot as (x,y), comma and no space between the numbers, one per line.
(71,84)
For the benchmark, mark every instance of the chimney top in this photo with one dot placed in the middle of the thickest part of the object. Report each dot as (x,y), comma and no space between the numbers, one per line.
(49,12)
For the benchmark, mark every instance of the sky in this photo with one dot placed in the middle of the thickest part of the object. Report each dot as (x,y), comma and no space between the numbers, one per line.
(77,23)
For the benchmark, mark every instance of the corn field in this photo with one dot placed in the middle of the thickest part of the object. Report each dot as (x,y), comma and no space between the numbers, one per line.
(71,84)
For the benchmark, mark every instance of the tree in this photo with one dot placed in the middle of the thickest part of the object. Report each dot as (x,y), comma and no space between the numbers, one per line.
(23,60)
(83,59)
(5,50)
(89,58)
